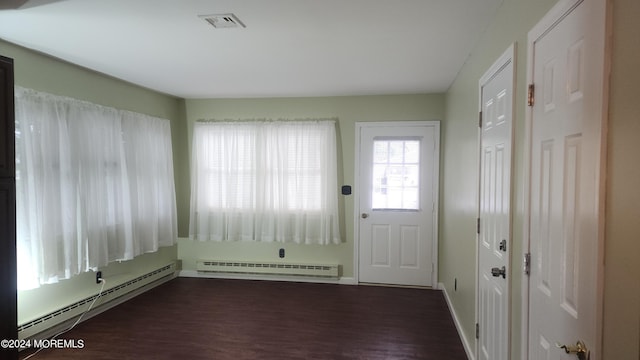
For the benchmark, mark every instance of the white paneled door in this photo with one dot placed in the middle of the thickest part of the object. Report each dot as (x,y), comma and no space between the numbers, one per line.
(565,192)
(397,202)
(494,230)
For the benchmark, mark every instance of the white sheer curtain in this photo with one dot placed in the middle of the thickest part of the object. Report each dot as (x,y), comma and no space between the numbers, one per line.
(93,185)
(265,181)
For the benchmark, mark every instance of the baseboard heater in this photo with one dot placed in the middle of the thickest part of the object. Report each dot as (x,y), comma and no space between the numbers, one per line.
(267,268)
(69,312)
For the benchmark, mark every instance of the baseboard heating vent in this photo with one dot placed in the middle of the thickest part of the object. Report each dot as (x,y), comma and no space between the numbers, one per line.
(268,268)
(52,319)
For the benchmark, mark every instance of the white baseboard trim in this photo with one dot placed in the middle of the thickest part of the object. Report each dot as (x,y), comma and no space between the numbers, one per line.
(347,281)
(465,341)
(206,275)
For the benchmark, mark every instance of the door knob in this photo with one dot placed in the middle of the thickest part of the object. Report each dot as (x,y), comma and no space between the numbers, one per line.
(365,215)
(499,272)
(579,349)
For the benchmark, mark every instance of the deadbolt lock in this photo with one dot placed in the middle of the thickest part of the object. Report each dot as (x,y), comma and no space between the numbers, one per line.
(503,245)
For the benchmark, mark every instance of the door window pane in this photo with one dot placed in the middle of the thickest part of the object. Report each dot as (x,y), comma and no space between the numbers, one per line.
(396,174)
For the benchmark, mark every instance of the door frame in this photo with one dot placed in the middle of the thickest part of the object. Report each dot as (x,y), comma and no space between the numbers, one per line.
(509,55)
(8,257)
(356,193)
(598,14)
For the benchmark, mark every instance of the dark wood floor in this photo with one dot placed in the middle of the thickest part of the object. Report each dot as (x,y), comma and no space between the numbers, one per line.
(235,319)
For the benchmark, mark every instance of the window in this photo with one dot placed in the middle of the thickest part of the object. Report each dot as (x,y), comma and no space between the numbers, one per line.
(93,185)
(265,181)
(396,174)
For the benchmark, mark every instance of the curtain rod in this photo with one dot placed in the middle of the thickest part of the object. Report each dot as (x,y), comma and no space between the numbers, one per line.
(265,120)
(28,92)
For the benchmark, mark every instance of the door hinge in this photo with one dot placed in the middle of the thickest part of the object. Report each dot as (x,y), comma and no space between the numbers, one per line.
(480,119)
(477,331)
(527,264)
(531,95)
(478,226)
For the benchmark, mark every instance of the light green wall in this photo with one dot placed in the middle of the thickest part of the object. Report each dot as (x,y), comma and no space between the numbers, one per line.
(43,73)
(622,236)
(179,140)
(348,110)
(459,196)
(459,200)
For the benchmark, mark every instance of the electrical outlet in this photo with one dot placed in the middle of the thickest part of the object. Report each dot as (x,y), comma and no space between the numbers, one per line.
(98,277)
(281,253)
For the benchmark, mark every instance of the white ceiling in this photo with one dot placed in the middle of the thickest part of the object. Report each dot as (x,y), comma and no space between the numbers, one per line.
(288,48)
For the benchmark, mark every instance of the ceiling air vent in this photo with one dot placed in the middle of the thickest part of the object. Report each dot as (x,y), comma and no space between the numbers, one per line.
(223,21)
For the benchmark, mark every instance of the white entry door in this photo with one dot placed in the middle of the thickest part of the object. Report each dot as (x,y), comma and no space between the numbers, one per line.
(494,237)
(565,171)
(398,174)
